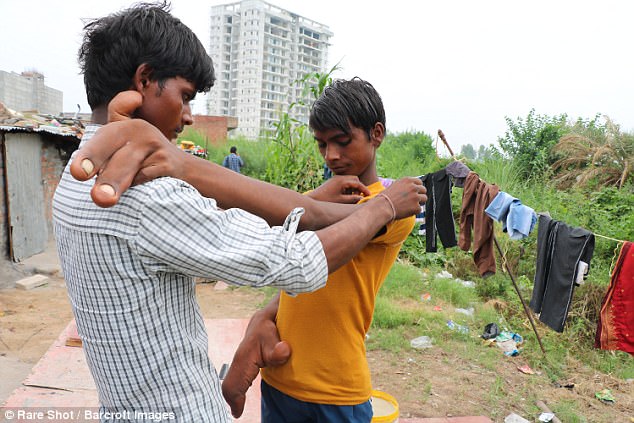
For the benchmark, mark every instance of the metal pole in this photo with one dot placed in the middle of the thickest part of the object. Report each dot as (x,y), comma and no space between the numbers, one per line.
(517,289)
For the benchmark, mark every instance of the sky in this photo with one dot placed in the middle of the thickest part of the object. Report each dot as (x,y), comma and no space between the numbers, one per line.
(457,65)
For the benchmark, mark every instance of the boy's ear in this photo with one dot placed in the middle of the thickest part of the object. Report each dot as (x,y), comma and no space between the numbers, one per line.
(377,133)
(142,77)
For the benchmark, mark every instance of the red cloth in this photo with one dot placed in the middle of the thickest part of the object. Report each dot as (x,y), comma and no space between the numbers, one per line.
(615,330)
(476,197)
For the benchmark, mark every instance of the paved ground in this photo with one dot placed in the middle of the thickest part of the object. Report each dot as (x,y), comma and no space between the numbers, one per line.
(46,263)
(15,371)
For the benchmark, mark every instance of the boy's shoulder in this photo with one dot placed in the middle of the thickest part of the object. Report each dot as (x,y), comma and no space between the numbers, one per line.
(398,230)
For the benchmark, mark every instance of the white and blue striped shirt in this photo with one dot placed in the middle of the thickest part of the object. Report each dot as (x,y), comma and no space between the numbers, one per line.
(130,274)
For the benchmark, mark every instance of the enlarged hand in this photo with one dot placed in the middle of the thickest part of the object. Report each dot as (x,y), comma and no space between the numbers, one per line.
(405,196)
(124,152)
(260,347)
(123,105)
(340,189)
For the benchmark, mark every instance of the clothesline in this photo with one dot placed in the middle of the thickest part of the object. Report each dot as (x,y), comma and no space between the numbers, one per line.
(557,243)
(610,238)
(620,241)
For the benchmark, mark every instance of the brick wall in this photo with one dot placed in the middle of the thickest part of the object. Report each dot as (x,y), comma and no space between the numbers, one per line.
(215,127)
(55,154)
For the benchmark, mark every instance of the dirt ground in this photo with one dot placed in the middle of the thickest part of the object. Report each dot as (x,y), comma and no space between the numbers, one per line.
(426,383)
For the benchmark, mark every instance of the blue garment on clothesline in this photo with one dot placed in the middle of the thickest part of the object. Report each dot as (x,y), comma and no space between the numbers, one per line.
(517,219)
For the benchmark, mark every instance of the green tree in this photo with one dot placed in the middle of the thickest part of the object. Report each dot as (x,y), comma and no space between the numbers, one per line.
(528,142)
(405,154)
(468,152)
(486,153)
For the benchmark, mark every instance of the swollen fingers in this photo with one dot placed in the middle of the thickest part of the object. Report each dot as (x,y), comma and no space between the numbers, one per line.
(123,105)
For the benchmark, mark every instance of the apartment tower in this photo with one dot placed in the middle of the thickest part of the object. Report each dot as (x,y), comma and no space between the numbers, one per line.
(259,51)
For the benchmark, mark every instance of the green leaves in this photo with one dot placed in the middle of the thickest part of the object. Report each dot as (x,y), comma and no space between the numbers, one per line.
(527,142)
(293,160)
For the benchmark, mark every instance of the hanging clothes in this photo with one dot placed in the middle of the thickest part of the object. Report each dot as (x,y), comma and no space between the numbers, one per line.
(559,250)
(420,220)
(438,215)
(477,195)
(615,330)
(459,171)
(517,219)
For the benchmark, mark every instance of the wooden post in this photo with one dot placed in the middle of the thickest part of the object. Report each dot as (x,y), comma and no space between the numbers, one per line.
(545,409)
(441,134)
(517,289)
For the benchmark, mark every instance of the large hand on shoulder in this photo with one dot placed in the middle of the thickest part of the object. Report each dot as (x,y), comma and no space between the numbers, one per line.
(341,189)
(124,152)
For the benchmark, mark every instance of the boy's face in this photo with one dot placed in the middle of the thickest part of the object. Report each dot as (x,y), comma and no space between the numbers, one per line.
(168,109)
(347,154)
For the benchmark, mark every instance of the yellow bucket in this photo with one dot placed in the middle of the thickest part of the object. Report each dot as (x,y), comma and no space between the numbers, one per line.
(384,407)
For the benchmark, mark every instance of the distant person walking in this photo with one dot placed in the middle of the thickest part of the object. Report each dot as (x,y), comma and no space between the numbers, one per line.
(233,161)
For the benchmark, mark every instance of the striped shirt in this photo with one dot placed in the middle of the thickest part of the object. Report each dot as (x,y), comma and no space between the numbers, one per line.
(233,162)
(130,274)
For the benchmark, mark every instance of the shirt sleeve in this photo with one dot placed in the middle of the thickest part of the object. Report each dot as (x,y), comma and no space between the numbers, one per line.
(184,232)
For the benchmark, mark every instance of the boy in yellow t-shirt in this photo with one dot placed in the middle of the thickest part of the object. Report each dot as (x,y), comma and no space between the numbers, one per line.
(327,378)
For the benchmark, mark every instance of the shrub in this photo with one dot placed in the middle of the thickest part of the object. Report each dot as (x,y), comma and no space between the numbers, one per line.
(405,154)
(528,142)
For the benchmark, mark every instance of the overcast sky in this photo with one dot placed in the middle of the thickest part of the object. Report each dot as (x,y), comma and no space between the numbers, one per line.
(460,66)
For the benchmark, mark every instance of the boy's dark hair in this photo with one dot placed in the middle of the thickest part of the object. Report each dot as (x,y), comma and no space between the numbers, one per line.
(233,150)
(116,45)
(344,103)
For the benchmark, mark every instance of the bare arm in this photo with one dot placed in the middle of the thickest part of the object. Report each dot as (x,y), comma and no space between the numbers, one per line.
(133,151)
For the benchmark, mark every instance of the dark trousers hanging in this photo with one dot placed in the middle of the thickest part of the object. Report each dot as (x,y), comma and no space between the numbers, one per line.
(438,216)
(559,250)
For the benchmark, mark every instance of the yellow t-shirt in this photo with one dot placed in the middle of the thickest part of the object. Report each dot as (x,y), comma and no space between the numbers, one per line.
(326,328)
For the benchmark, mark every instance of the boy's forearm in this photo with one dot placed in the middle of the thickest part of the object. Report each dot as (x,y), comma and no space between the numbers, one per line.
(272,203)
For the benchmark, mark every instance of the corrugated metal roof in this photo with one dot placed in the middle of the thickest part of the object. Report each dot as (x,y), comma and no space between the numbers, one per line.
(63,131)
(12,121)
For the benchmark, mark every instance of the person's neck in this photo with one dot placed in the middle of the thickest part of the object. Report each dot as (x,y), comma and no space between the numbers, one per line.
(369,175)
(368,180)
(100,115)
